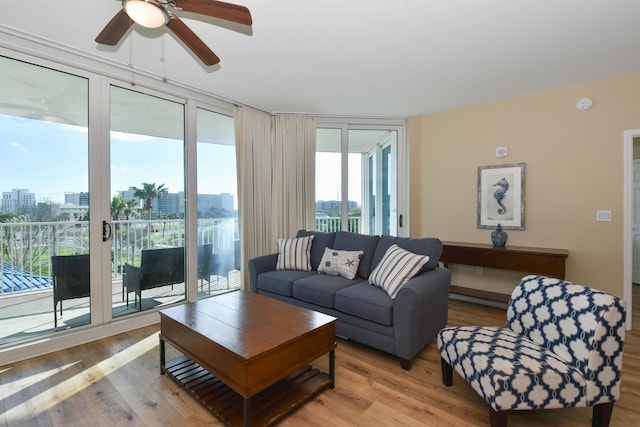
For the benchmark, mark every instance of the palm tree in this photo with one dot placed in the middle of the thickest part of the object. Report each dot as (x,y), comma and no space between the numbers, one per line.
(148,193)
(120,206)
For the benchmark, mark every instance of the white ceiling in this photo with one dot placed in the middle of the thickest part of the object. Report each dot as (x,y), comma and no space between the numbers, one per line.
(387,58)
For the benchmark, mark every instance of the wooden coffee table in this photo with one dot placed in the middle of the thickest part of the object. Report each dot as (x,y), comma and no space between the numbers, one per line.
(246,356)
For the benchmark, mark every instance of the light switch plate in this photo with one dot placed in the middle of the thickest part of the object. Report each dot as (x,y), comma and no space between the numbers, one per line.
(603,215)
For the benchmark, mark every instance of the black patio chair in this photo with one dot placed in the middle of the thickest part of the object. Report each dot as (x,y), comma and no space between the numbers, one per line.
(158,267)
(70,280)
(205,253)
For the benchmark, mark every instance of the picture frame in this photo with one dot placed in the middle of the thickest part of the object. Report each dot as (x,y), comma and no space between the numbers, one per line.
(501,196)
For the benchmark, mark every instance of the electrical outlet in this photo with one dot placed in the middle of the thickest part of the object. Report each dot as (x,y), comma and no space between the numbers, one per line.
(479,271)
(603,215)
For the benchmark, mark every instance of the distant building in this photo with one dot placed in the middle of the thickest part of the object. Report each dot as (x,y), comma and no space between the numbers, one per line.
(215,202)
(323,206)
(169,204)
(18,200)
(74,210)
(128,194)
(78,199)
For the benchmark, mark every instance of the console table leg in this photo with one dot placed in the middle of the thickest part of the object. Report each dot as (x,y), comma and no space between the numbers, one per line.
(332,368)
(246,415)
(162,356)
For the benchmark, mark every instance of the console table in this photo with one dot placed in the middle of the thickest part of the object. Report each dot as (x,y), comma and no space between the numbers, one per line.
(550,262)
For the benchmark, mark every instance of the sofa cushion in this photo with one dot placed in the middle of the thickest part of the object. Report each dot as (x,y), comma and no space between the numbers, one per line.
(340,263)
(366,301)
(320,289)
(352,242)
(280,281)
(423,246)
(320,242)
(294,254)
(396,268)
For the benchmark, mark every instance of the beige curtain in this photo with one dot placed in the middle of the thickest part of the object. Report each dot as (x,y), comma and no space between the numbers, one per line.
(294,173)
(276,179)
(253,153)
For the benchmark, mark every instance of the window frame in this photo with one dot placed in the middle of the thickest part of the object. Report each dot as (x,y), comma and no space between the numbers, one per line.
(347,124)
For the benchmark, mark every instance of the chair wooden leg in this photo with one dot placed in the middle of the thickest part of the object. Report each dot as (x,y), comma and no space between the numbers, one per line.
(447,373)
(498,418)
(602,414)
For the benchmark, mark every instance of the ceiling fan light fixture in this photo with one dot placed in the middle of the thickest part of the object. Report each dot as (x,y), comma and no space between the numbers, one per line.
(148,13)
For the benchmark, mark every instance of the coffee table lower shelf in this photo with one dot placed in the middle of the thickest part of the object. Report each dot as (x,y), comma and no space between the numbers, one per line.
(268,407)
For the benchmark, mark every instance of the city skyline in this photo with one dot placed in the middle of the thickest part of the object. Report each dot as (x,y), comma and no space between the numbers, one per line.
(19,198)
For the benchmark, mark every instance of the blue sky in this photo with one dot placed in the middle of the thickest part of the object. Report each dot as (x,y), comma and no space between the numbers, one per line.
(328,176)
(50,159)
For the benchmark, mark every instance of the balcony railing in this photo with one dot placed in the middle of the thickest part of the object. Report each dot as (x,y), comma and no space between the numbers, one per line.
(26,248)
(330,224)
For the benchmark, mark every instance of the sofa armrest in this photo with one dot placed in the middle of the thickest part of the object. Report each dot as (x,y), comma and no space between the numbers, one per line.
(259,265)
(421,309)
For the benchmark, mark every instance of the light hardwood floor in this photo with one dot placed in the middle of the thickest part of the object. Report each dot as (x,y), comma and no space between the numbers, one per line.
(116,382)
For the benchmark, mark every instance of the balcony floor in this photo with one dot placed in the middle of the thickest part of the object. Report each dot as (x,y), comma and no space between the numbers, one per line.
(29,315)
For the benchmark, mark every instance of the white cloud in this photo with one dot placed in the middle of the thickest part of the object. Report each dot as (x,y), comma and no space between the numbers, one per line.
(17,146)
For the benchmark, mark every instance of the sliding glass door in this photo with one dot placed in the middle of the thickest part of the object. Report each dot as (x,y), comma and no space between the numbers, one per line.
(89,162)
(217,205)
(378,150)
(357,180)
(147,201)
(44,216)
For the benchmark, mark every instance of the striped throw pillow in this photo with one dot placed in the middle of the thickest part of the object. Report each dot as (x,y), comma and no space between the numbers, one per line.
(294,254)
(396,268)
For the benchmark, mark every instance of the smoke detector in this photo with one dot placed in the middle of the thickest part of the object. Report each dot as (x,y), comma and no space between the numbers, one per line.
(583,104)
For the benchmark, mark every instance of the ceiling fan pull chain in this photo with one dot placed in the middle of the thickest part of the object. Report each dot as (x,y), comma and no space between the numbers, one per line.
(133,74)
(164,63)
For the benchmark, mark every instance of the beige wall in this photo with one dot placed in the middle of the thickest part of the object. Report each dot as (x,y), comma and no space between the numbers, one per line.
(574,166)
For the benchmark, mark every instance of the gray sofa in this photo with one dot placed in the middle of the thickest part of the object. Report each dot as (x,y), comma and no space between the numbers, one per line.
(365,313)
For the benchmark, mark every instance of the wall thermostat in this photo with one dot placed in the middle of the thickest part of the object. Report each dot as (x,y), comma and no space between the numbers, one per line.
(502,152)
(583,104)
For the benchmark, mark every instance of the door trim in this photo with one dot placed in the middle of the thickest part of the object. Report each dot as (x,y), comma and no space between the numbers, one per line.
(627,228)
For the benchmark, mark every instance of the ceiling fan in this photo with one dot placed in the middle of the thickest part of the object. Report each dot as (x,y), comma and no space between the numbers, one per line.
(156,13)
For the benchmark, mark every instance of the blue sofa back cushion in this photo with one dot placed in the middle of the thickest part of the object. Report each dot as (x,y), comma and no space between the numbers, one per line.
(353,242)
(320,242)
(423,246)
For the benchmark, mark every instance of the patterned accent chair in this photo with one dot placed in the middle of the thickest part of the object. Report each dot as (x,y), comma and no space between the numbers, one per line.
(561,348)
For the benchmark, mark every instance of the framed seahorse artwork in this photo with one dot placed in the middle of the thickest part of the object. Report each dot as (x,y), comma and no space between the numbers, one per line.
(501,196)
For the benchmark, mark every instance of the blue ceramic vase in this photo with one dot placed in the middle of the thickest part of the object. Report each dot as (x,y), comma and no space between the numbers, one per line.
(499,237)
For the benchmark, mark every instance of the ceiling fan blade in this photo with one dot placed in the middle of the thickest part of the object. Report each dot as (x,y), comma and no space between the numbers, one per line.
(192,41)
(217,9)
(115,29)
